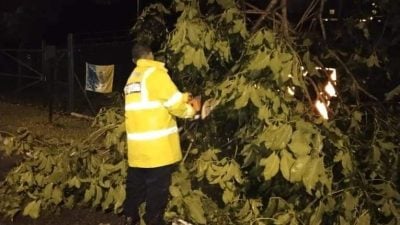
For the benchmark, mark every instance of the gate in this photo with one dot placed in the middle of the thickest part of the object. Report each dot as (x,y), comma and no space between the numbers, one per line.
(56,77)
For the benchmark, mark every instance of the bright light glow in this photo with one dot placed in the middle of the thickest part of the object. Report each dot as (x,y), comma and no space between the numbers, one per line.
(321,107)
(290,90)
(330,89)
(333,74)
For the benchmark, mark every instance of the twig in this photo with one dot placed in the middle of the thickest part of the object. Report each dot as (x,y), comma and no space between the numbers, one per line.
(187,151)
(252,6)
(263,17)
(307,14)
(7,133)
(321,23)
(351,75)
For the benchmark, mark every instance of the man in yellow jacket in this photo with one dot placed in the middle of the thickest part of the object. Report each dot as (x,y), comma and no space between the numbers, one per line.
(152,101)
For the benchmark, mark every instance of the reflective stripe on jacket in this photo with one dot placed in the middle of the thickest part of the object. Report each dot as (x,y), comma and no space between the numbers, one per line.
(151,103)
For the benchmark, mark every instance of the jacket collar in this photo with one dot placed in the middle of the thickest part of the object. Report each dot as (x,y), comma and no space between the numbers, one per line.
(151,63)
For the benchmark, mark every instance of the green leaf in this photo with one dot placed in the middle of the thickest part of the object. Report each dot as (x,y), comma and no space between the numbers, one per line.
(364,219)
(74,182)
(276,64)
(286,70)
(286,164)
(226,4)
(32,209)
(277,138)
(255,97)
(243,99)
(175,192)
(99,196)
(373,61)
(89,193)
(119,196)
(195,206)
(349,204)
(346,161)
(271,166)
(283,219)
(228,196)
(299,144)
(257,39)
(48,190)
(316,217)
(189,52)
(260,61)
(198,58)
(298,168)
(270,37)
(109,198)
(57,195)
(69,202)
(312,172)
(263,113)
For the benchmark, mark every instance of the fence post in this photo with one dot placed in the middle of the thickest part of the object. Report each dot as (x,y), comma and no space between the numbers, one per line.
(70,107)
(50,54)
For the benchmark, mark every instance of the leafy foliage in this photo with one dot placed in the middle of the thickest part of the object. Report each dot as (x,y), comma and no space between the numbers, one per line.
(55,173)
(263,156)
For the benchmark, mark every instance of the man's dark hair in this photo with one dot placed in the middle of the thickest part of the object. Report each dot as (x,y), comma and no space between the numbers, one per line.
(139,51)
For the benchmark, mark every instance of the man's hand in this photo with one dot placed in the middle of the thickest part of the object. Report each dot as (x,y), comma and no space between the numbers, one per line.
(195,102)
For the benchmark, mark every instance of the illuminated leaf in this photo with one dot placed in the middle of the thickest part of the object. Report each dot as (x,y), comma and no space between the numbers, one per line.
(276,64)
(108,199)
(255,98)
(312,172)
(196,211)
(345,159)
(57,195)
(243,98)
(277,138)
(119,196)
(228,196)
(286,164)
(350,203)
(298,168)
(364,219)
(373,61)
(263,113)
(271,166)
(48,190)
(89,193)
(260,61)
(283,219)
(32,209)
(299,143)
(316,217)
(174,190)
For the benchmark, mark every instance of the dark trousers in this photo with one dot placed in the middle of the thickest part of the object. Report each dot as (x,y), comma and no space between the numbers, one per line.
(150,185)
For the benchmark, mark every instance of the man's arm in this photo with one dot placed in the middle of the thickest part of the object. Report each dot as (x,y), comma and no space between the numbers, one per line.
(178,104)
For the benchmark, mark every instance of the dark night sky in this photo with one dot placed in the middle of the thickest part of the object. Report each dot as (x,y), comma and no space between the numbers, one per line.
(89,17)
(77,16)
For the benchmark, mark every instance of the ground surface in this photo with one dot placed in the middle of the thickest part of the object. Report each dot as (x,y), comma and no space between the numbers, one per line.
(63,126)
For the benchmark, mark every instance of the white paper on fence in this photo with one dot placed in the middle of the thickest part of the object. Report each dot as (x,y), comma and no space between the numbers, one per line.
(99,78)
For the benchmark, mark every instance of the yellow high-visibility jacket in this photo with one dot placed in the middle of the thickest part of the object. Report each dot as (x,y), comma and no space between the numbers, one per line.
(151,103)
